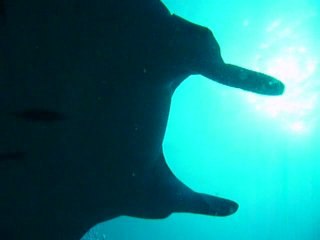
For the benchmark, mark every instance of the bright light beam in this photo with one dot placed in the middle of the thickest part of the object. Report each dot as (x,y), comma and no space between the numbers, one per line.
(294,64)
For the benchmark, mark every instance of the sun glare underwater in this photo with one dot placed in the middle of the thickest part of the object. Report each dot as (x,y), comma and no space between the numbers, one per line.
(259,151)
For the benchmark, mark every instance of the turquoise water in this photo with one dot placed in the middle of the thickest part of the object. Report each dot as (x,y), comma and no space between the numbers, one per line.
(262,152)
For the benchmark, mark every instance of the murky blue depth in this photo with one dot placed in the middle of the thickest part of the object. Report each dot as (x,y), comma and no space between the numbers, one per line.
(262,152)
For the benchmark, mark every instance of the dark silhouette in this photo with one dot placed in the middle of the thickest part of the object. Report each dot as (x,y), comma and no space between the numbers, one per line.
(39,115)
(111,67)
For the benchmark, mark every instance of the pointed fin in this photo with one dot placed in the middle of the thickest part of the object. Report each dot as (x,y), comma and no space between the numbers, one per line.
(245,79)
(205,204)
(167,194)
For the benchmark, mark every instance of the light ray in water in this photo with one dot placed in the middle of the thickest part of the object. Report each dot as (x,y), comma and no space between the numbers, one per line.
(297,66)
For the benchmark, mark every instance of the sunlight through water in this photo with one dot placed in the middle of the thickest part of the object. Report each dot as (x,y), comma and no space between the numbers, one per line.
(294,64)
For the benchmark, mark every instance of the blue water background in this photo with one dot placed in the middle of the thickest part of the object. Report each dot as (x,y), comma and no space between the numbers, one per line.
(263,152)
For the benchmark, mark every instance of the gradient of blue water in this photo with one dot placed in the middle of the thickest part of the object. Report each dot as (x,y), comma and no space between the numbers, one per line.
(229,143)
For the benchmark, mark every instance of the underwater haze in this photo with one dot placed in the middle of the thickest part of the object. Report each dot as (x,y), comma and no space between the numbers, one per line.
(263,152)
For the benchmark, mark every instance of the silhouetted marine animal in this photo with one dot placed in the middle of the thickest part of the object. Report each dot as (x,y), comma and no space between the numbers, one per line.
(85,94)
